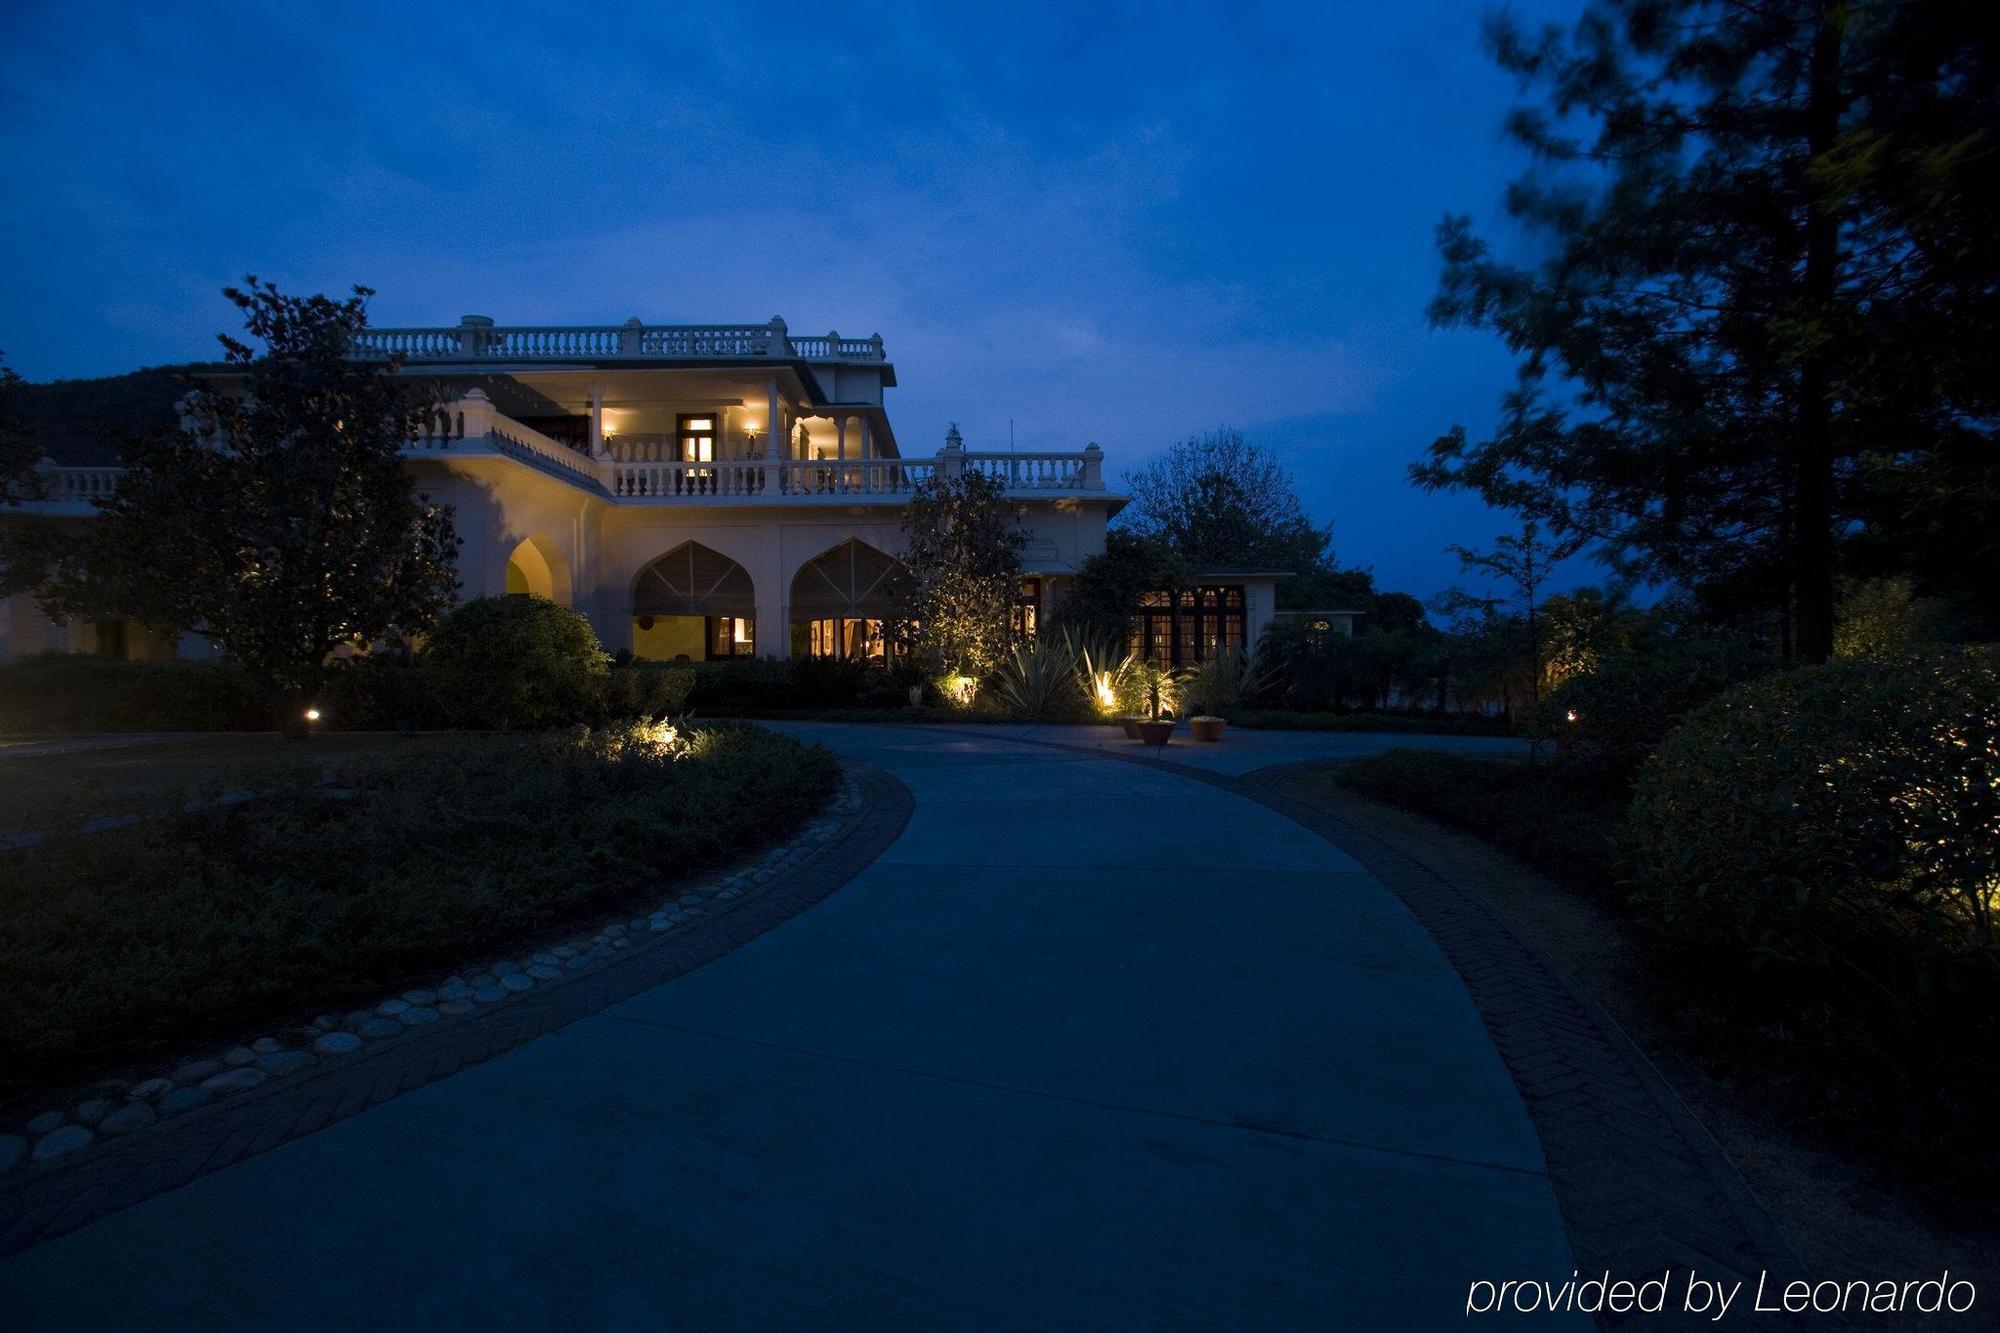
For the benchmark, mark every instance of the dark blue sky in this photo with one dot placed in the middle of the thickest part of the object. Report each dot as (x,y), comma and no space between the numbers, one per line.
(1126,226)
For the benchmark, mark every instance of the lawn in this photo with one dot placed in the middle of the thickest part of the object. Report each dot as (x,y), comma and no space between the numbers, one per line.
(47,790)
(362,866)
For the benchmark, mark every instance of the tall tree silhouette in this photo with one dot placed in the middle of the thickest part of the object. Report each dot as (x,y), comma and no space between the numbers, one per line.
(1758,328)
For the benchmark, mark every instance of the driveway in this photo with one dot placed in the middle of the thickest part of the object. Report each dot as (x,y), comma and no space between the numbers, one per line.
(1090,1045)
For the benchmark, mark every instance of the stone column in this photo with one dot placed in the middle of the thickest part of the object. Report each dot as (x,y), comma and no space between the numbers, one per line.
(597,449)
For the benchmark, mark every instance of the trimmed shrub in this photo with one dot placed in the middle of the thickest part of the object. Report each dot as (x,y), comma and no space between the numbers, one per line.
(379,693)
(1840,819)
(515,662)
(61,692)
(645,692)
(1628,704)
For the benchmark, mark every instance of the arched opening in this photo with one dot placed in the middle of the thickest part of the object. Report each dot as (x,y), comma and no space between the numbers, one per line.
(693,604)
(842,604)
(536,569)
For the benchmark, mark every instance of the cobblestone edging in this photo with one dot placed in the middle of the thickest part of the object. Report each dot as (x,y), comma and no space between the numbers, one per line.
(436,1028)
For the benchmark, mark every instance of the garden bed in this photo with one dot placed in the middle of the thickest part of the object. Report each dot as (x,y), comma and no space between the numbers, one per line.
(1414,724)
(347,875)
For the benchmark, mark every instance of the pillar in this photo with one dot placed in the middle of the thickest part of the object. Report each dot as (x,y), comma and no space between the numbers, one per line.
(597,421)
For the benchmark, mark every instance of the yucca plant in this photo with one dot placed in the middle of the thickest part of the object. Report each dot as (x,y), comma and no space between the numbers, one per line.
(1036,677)
(1103,668)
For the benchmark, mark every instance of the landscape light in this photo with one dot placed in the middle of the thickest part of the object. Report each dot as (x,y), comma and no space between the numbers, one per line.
(312,714)
(1572,715)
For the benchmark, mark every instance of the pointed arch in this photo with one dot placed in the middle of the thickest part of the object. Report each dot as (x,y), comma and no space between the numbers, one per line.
(851,580)
(694,580)
(536,567)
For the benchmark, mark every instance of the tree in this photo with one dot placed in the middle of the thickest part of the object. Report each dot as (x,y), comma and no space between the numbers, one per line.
(278,520)
(1099,602)
(1225,503)
(1522,565)
(1767,297)
(961,573)
(21,557)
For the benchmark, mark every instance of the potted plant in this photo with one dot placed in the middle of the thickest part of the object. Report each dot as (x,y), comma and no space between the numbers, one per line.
(1205,727)
(1156,729)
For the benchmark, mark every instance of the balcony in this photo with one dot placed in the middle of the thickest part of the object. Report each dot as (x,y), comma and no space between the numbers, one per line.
(469,428)
(478,339)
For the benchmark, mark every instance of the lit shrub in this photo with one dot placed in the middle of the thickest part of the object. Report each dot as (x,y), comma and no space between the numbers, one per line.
(1841,819)
(515,662)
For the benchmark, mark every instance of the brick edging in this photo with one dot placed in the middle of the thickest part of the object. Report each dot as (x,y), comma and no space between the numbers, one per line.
(39,1203)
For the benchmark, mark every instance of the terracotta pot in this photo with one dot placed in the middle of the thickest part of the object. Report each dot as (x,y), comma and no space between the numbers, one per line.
(1131,725)
(1206,728)
(1156,733)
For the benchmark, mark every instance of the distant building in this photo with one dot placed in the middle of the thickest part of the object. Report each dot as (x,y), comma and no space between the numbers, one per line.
(699,492)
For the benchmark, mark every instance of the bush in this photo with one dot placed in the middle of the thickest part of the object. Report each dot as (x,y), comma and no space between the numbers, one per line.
(1628,704)
(644,692)
(61,692)
(1834,819)
(1562,826)
(515,662)
(1414,724)
(379,693)
(215,923)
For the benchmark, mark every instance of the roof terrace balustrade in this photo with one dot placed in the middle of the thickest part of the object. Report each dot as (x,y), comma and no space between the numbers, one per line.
(477,338)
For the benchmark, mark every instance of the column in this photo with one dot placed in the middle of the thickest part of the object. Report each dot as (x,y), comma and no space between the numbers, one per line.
(840,450)
(597,421)
(776,449)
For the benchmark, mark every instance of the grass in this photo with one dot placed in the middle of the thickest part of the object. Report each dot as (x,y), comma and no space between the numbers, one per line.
(1563,826)
(53,791)
(140,942)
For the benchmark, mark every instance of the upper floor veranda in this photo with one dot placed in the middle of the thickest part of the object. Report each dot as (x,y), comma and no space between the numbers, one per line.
(666,415)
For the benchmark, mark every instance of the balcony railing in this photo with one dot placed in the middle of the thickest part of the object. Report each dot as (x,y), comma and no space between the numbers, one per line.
(479,339)
(469,427)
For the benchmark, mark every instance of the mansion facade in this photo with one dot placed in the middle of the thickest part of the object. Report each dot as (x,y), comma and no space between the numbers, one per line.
(699,492)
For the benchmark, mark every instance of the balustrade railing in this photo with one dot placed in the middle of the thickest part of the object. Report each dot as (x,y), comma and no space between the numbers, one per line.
(470,425)
(687,481)
(77,485)
(479,339)
(1030,472)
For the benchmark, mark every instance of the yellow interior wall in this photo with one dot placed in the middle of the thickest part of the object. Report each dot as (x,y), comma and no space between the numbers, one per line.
(517,579)
(670,637)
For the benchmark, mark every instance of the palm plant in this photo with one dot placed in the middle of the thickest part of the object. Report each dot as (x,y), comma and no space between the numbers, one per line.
(1225,679)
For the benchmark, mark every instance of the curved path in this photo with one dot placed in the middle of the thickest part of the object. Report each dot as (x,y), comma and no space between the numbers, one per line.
(1091,1044)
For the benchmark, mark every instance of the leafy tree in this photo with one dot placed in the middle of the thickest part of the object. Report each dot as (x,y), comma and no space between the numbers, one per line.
(1225,503)
(1522,564)
(1582,628)
(1099,602)
(1882,617)
(961,572)
(278,520)
(21,559)
(1394,611)
(1761,324)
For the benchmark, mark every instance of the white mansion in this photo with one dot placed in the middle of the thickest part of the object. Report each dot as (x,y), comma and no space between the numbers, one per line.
(699,492)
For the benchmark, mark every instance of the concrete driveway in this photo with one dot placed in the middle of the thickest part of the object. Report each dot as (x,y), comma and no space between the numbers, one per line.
(1091,1045)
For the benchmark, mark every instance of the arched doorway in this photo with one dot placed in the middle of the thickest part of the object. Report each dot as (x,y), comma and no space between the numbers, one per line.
(536,569)
(694,604)
(842,603)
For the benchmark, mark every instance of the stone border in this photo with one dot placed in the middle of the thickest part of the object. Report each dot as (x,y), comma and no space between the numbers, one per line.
(246,1116)
(1640,1181)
